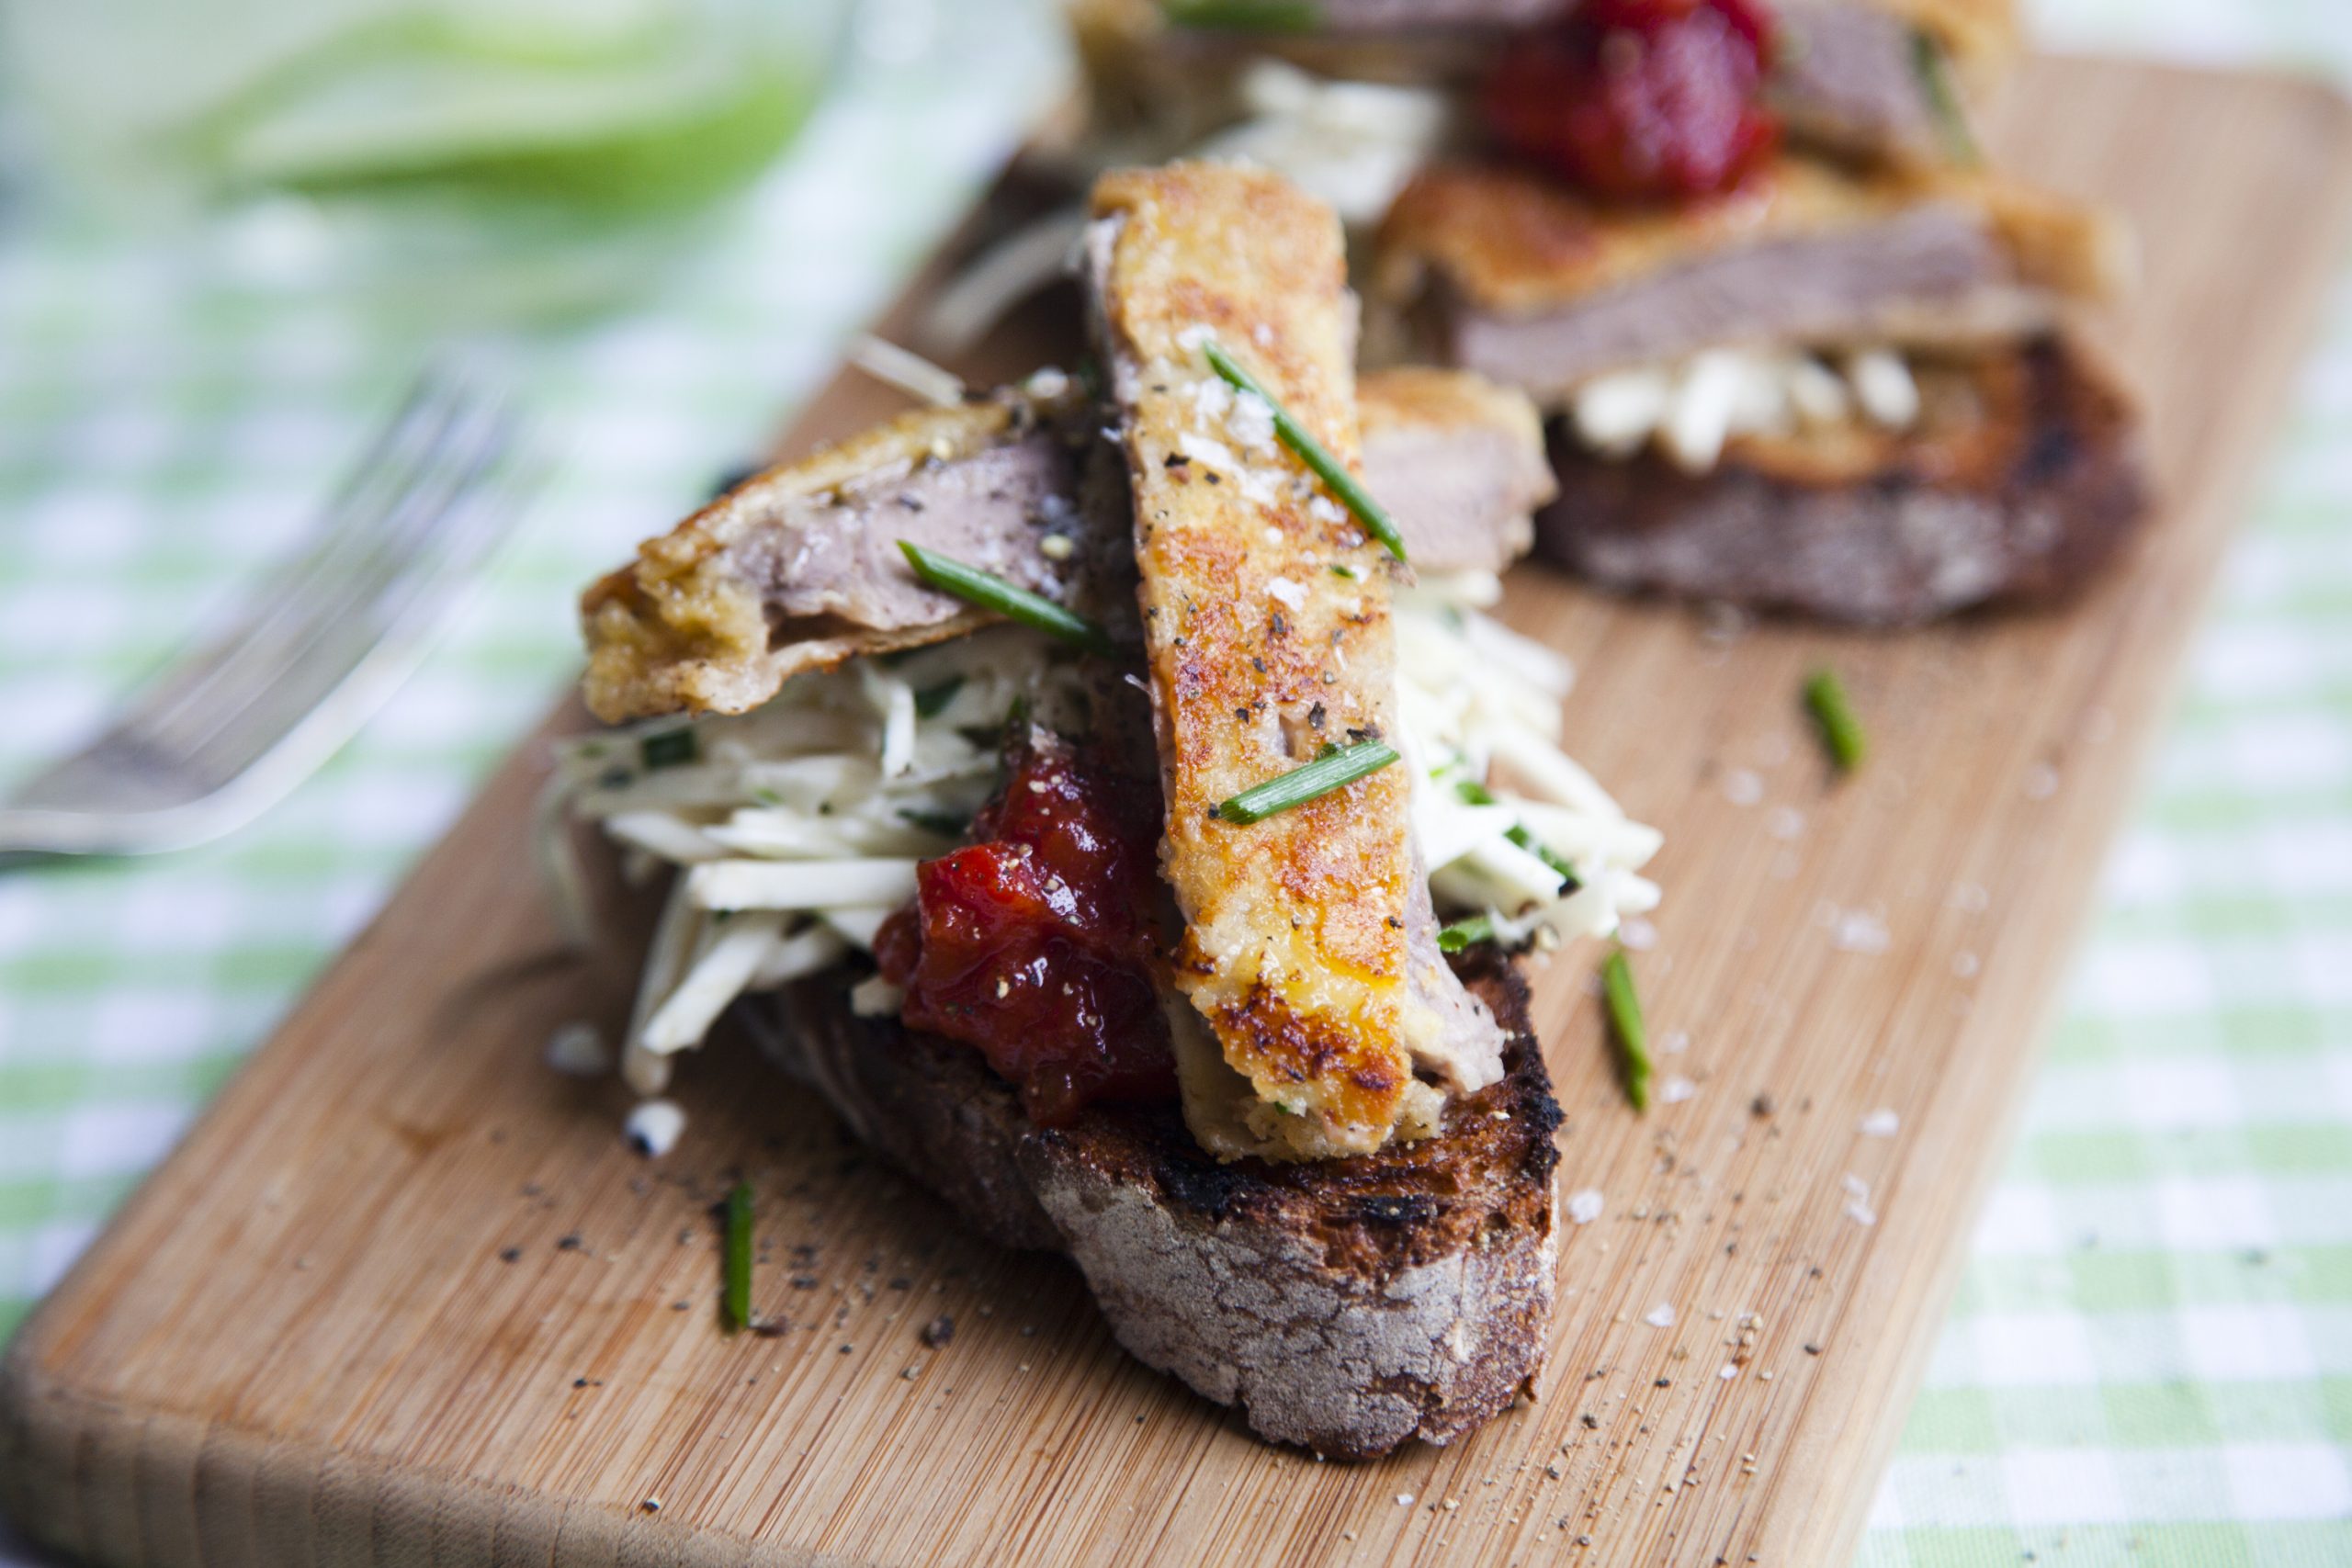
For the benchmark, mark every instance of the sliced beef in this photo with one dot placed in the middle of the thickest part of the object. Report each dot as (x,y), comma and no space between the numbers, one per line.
(1932,273)
(1458,463)
(2028,481)
(837,555)
(1859,80)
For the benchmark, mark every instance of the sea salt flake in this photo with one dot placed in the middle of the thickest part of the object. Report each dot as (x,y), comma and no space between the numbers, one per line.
(1637,934)
(1661,1315)
(1881,1123)
(1742,786)
(1674,1091)
(2040,781)
(1728,1372)
(1675,1042)
(1857,930)
(1786,822)
(1585,1207)
(1965,965)
(1252,423)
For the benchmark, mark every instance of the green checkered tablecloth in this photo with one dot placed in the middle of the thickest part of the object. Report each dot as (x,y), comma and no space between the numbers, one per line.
(2150,1359)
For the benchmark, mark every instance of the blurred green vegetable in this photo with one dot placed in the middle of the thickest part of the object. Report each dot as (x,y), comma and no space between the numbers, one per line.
(492,159)
(625,102)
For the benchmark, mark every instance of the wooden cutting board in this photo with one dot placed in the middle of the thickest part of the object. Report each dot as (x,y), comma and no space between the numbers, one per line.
(403,1297)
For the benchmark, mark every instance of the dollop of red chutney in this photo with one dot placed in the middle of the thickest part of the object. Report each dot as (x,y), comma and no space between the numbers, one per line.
(1641,100)
(1036,942)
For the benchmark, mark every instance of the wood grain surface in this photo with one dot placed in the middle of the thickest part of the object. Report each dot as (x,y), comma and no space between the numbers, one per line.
(403,1297)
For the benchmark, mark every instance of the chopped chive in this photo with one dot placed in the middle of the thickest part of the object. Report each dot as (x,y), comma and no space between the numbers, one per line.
(670,748)
(1933,70)
(947,824)
(1544,852)
(931,701)
(1310,451)
(1465,934)
(973,586)
(737,1303)
(1473,793)
(1247,16)
(1625,1022)
(1841,732)
(1336,768)
(1347,571)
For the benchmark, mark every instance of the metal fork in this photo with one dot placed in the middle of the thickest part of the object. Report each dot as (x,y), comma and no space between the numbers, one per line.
(239,718)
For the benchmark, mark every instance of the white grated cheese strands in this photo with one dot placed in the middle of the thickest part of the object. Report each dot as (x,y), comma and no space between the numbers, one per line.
(998,278)
(1578,836)
(1614,413)
(1521,872)
(859,925)
(1706,400)
(676,935)
(1884,385)
(1693,409)
(799,884)
(1555,772)
(717,978)
(908,372)
(799,812)
(561,876)
(798,956)
(894,703)
(1526,659)
(1449,830)
(661,833)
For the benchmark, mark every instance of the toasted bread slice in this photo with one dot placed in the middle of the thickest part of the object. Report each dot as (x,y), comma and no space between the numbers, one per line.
(1346,1305)
(2024,476)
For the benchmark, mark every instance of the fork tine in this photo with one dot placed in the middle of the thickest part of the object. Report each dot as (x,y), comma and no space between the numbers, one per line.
(288,629)
(457,526)
(346,526)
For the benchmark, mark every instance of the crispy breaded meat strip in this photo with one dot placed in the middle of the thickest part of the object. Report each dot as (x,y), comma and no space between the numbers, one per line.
(1261,654)
(1499,270)
(797,568)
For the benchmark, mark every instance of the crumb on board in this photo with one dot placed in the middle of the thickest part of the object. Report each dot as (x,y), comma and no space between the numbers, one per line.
(578,1050)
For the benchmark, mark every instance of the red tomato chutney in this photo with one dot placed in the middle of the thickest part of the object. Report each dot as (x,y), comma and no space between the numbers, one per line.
(1037,942)
(1658,100)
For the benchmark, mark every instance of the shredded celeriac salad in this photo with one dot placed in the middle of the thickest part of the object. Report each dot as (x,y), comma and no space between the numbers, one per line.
(1693,409)
(795,829)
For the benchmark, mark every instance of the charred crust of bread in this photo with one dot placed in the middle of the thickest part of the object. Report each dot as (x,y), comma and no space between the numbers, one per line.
(1348,1305)
(2023,505)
